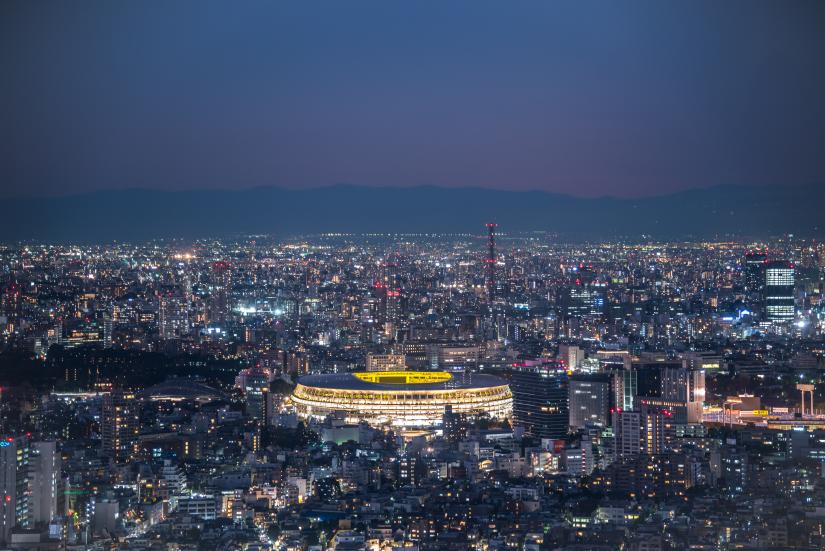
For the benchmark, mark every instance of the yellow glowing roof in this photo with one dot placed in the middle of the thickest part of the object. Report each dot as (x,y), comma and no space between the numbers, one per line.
(404,377)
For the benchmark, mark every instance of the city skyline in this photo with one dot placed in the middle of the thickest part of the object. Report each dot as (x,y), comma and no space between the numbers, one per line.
(476,392)
(412,276)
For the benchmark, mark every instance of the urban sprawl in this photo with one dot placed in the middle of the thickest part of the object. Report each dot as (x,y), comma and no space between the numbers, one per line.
(484,391)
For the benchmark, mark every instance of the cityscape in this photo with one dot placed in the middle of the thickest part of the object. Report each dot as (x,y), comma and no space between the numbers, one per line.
(412,276)
(483,391)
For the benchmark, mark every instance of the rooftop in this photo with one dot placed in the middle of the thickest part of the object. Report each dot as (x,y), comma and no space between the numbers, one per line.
(401,380)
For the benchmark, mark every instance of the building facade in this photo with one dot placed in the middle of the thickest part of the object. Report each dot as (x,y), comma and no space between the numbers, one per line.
(541,401)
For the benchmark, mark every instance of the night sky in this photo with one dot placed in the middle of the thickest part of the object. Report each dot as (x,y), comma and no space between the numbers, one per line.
(622,98)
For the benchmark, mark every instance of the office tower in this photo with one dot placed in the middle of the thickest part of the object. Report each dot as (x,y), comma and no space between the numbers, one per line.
(386,362)
(220,293)
(369,313)
(45,481)
(453,425)
(649,376)
(119,424)
(107,331)
(670,385)
(584,295)
(453,358)
(625,388)
(11,305)
(658,429)
(589,400)
(296,362)
(490,263)
(173,314)
(778,292)
(540,401)
(389,295)
(571,355)
(627,433)
(755,271)
(254,383)
(580,461)
(14,486)
(683,384)
(733,467)
(702,360)
(55,335)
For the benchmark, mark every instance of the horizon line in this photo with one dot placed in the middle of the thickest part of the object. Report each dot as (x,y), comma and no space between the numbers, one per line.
(286,187)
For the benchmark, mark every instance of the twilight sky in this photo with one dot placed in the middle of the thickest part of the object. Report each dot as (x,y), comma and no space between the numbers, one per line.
(590,98)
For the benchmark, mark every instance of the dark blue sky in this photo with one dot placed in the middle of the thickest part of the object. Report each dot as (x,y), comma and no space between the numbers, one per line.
(589,98)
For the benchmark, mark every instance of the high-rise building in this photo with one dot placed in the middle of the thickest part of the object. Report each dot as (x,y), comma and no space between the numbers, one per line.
(119,424)
(778,292)
(731,464)
(296,362)
(452,357)
(649,376)
(585,294)
(490,264)
(254,383)
(627,433)
(14,486)
(571,355)
(11,305)
(541,401)
(683,384)
(453,425)
(173,314)
(389,294)
(107,331)
(658,429)
(589,400)
(55,335)
(755,271)
(220,293)
(670,385)
(411,470)
(625,388)
(45,481)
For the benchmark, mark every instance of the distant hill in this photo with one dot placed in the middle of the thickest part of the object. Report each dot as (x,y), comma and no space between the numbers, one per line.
(140,214)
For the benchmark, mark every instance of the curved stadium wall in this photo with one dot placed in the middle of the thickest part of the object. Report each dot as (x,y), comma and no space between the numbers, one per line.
(401,398)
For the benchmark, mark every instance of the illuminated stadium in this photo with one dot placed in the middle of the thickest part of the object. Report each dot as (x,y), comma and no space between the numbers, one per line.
(401,398)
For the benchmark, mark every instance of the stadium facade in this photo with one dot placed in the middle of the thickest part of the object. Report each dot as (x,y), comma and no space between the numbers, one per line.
(414,399)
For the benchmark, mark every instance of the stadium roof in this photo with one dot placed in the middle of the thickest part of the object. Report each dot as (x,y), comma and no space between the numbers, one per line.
(400,381)
(181,389)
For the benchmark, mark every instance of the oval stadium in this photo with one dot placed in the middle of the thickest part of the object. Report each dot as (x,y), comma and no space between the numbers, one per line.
(414,399)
